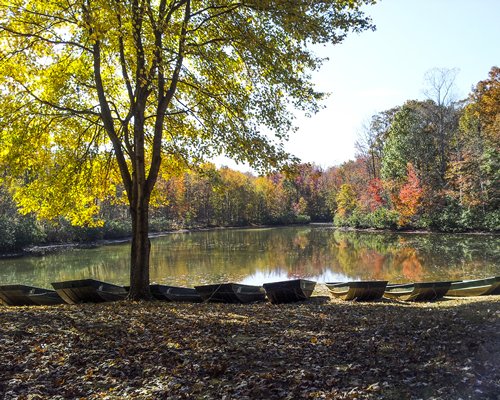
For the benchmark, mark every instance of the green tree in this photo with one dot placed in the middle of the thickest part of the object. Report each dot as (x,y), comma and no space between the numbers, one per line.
(420,134)
(101,92)
(408,139)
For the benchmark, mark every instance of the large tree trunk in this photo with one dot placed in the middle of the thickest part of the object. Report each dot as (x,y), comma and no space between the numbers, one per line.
(140,249)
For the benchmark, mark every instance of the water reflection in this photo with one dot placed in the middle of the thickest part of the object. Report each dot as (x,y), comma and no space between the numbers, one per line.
(276,275)
(255,256)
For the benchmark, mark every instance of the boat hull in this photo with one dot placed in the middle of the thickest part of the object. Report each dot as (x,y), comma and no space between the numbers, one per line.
(89,291)
(289,291)
(231,293)
(174,293)
(420,291)
(358,290)
(24,295)
(46,298)
(477,287)
(112,293)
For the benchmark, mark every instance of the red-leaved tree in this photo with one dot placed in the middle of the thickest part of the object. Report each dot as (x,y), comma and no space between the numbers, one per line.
(409,198)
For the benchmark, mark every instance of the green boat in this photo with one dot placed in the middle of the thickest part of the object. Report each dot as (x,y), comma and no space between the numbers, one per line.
(358,290)
(476,287)
(419,291)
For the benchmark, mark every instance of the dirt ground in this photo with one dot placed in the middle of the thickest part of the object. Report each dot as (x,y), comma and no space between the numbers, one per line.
(320,349)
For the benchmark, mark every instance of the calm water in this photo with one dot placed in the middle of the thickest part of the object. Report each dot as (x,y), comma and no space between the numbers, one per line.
(255,256)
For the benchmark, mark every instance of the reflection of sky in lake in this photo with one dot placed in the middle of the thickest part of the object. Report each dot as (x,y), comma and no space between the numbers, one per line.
(280,274)
(256,256)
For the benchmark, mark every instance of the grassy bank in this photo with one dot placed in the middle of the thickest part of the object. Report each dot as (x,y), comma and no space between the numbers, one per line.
(323,348)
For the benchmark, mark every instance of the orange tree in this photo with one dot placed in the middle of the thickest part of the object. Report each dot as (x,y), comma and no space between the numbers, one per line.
(474,172)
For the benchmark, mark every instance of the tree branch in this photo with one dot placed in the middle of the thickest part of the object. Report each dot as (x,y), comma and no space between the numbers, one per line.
(165,100)
(106,113)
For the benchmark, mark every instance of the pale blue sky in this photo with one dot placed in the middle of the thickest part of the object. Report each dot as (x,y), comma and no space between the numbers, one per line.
(374,71)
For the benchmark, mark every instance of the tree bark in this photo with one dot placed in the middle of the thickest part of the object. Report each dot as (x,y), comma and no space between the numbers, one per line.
(140,249)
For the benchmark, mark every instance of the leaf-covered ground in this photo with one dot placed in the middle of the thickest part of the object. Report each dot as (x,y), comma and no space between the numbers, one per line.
(324,348)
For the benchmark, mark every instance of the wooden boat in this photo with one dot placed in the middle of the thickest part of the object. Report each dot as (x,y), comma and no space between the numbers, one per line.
(174,293)
(420,291)
(231,293)
(358,290)
(289,291)
(476,287)
(89,291)
(24,295)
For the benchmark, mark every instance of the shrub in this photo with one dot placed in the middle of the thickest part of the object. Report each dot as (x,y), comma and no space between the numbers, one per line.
(383,218)
(8,237)
(28,231)
(19,231)
(115,229)
(492,221)
(302,219)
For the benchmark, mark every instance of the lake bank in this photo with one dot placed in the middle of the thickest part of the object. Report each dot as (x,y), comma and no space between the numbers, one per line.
(42,250)
(323,348)
(265,254)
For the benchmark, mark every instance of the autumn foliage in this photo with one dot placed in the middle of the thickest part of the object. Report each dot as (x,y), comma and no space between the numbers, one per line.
(376,196)
(396,182)
(409,197)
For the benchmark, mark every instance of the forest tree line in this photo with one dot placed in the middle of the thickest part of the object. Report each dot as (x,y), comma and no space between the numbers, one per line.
(427,164)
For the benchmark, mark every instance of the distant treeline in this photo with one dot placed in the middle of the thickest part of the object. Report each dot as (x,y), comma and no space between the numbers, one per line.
(432,164)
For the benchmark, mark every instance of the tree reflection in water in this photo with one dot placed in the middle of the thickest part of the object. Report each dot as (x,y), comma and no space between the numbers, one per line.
(256,256)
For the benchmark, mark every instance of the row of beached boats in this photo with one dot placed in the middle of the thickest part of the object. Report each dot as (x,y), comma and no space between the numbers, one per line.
(94,291)
(418,291)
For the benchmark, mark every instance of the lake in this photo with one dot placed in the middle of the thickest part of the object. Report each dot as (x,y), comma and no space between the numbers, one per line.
(255,256)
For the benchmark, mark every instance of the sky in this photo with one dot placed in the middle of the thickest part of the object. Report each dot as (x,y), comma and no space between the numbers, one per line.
(374,71)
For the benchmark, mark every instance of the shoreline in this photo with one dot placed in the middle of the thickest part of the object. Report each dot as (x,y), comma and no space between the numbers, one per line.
(324,348)
(41,250)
